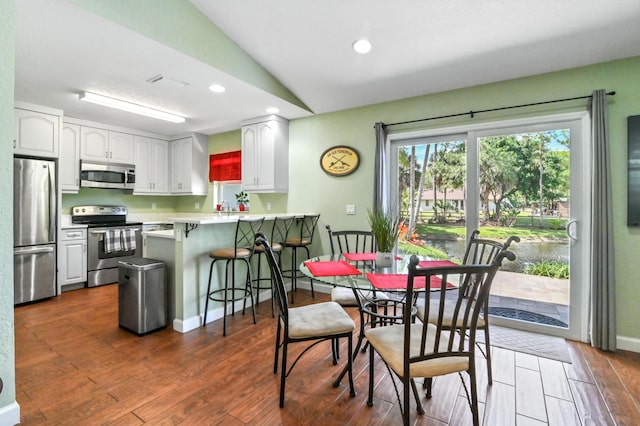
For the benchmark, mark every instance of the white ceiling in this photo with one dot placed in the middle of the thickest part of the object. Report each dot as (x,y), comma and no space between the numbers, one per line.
(419,47)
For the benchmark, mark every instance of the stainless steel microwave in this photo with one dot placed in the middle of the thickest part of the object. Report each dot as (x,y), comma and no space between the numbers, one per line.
(105,175)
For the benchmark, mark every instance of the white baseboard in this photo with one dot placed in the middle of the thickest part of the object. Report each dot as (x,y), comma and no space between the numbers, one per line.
(10,414)
(628,343)
(192,323)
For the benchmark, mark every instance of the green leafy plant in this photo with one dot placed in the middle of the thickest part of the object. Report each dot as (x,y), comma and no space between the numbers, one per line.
(385,228)
(551,269)
(242,197)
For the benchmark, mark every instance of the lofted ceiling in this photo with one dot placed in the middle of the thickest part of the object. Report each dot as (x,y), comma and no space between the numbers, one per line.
(419,47)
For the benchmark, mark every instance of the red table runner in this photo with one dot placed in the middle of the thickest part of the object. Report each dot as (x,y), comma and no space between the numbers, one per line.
(323,269)
(399,282)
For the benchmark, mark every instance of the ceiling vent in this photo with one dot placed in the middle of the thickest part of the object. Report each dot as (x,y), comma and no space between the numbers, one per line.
(168,82)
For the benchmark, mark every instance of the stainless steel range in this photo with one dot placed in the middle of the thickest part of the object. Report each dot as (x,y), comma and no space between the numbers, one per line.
(110,238)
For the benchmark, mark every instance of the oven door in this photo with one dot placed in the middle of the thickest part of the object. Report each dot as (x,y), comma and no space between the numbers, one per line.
(103,253)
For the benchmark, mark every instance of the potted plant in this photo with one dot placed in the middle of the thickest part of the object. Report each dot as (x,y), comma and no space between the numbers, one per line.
(385,227)
(242,198)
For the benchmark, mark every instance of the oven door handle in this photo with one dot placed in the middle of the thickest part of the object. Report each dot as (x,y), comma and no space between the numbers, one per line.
(104,232)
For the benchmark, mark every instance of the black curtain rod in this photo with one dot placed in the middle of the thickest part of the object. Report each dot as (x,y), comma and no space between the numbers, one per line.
(472,113)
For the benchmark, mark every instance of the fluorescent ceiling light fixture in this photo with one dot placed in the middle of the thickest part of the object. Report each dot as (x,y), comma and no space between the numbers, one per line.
(273,110)
(130,107)
(362,46)
(216,88)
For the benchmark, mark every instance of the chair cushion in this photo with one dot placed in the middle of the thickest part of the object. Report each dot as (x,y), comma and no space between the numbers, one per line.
(449,306)
(319,319)
(297,242)
(275,247)
(230,253)
(344,296)
(388,342)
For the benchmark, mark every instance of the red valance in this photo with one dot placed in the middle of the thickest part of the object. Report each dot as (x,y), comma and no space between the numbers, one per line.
(225,166)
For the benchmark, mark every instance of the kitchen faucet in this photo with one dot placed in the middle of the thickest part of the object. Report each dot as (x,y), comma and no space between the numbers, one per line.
(222,208)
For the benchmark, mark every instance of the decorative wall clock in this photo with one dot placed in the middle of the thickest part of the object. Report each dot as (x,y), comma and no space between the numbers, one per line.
(340,160)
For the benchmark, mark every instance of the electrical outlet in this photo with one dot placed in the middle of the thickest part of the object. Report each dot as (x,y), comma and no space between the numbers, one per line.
(197,206)
(351,209)
(153,206)
(268,205)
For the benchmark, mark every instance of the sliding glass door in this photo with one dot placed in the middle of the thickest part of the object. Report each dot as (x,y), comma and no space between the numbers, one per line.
(527,178)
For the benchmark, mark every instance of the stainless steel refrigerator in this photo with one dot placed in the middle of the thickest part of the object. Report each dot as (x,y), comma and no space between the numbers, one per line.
(34,229)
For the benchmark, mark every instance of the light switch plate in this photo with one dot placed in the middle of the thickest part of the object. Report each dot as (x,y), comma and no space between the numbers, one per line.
(351,209)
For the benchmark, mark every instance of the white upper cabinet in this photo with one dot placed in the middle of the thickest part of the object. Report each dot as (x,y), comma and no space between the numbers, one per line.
(152,166)
(265,155)
(36,132)
(69,161)
(190,165)
(105,146)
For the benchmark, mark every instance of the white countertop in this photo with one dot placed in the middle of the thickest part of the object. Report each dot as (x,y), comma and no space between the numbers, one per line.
(207,218)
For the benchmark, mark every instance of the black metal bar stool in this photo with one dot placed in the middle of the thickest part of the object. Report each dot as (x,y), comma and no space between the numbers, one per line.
(305,228)
(279,232)
(242,251)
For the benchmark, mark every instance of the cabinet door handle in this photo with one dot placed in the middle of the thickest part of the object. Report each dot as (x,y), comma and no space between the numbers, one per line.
(106,154)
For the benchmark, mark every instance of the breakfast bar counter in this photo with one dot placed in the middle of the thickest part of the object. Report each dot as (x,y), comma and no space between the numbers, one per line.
(185,251)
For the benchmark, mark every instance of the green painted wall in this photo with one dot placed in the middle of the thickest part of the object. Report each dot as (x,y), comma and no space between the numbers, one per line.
(312,190)
(7,66)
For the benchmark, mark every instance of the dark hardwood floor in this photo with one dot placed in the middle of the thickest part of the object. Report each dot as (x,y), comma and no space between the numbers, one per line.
(75,366)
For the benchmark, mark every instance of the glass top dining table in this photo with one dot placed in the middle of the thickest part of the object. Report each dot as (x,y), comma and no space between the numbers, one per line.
(345,270)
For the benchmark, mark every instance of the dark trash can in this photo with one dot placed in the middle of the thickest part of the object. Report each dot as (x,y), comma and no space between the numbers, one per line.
(142,295)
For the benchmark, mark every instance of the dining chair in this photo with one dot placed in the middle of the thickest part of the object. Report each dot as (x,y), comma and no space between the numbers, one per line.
(350,241)
(479,251)
(241,252)
(279,232)
(314,323)
(303,231)
(417,349)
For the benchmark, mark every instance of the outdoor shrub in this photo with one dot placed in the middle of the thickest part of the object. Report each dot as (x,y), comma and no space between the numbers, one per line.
(548,269)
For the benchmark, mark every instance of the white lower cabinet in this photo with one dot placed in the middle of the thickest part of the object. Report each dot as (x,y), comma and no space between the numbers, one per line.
(72,256)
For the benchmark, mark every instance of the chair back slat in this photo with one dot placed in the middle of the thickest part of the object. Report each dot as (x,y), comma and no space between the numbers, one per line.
(476,280)
(281,227)
(278,280)
(246,230)
(304,228)
(351,241)
(483,250)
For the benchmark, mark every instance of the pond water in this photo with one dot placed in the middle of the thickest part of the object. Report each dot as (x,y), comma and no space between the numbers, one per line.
(526,252)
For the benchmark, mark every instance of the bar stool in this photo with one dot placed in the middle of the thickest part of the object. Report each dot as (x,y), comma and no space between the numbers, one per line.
(241,251)
(279,232)
(306,227)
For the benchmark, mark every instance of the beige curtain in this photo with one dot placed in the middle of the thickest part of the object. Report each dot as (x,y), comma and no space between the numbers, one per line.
(603,296)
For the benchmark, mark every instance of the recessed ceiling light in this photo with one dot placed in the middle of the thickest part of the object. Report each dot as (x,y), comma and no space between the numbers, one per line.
(362,46)
(216,88)
(273,110)
(129,107)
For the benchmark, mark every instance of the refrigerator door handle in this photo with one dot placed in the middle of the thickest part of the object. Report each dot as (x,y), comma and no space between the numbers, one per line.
(52,204)
(33,250)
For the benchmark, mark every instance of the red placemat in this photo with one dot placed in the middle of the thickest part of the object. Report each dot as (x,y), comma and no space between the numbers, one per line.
(399,282)
(356,257)
(435,263)
(324,269)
